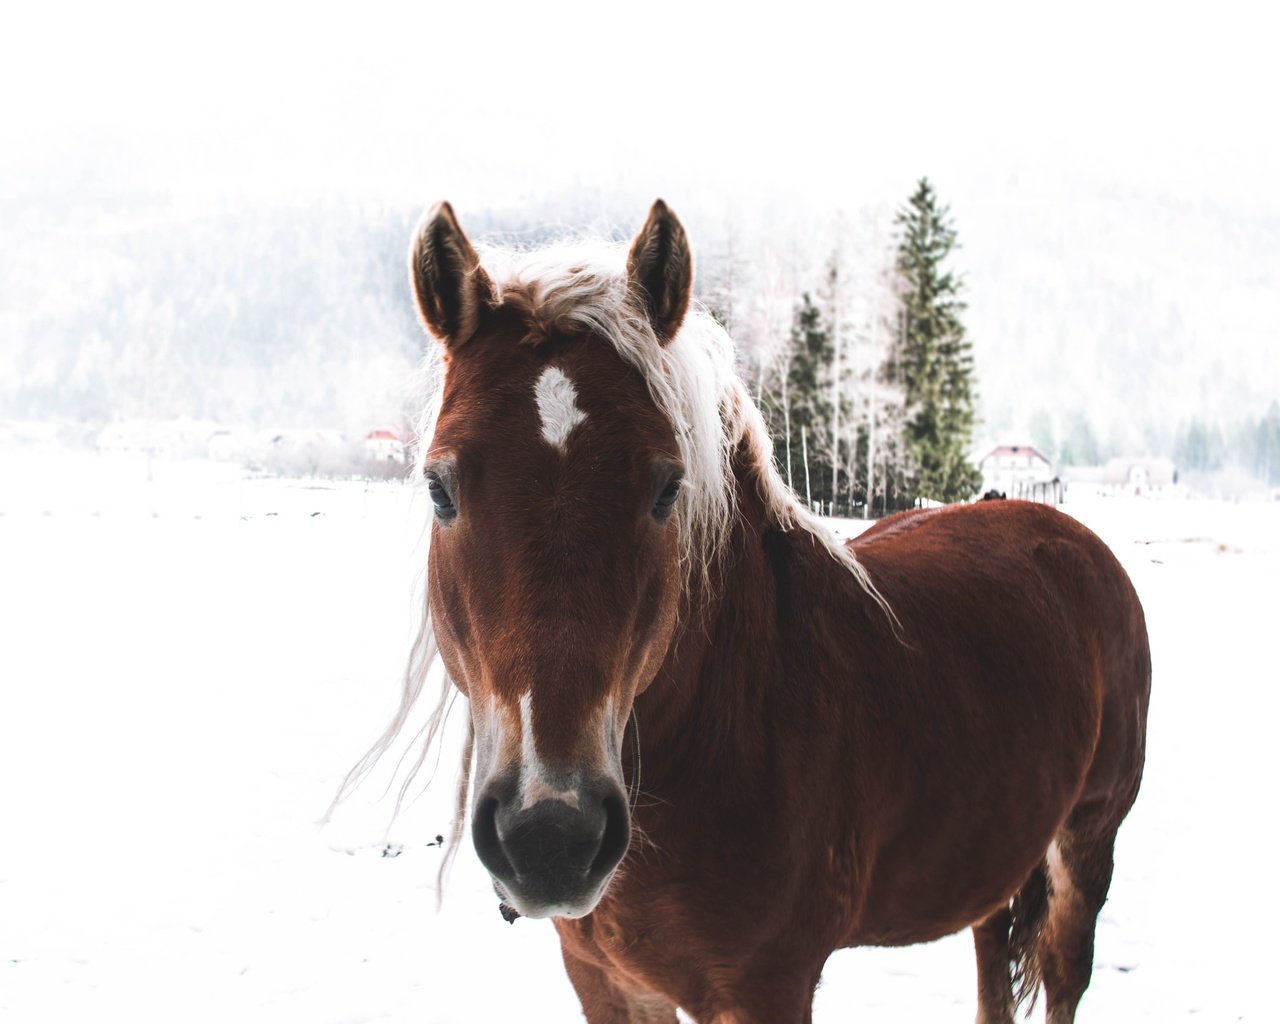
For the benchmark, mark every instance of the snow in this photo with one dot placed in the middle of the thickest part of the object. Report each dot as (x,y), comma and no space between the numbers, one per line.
(193,658)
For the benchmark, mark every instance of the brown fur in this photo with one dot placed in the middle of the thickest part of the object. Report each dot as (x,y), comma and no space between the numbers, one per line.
(814,777)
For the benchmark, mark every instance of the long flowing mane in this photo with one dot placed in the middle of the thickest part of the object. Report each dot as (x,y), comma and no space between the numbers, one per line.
(583,287)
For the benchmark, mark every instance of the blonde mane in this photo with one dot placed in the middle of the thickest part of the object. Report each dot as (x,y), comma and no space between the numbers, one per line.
(583,287)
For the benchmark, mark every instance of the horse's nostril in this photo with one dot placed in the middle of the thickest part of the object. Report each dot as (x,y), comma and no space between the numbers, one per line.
(550,838)
(615,840)
(488,840)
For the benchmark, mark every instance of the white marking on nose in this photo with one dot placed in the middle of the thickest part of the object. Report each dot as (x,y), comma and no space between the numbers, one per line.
(533,774)
(612,734)
(557,400)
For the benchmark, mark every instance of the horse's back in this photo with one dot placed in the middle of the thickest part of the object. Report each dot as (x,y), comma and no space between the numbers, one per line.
(1010,551)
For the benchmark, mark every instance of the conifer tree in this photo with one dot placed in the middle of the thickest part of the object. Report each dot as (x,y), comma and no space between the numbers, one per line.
(801,406)
(846,298)
(1080,445)
(1266,446)
(932,359)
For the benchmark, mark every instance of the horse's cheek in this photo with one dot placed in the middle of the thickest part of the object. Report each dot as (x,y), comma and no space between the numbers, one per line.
(450,625)
(656,621)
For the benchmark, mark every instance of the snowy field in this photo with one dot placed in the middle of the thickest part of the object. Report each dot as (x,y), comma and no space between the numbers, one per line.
(191,660)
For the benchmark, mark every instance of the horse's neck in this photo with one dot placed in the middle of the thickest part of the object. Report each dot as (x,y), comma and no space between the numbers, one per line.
(735,654)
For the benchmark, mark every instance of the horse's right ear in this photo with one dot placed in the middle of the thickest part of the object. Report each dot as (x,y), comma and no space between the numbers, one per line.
(451,287)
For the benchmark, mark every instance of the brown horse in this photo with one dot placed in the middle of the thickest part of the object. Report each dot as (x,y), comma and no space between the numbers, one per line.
(938,726)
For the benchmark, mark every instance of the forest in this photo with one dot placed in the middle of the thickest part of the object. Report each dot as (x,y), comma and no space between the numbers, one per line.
(887,346)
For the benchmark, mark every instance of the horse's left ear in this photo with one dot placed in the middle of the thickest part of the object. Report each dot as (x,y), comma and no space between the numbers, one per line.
(660,269)
(451,287)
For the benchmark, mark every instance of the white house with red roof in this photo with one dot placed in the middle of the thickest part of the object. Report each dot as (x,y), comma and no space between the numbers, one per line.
(1011,469)
(384,445)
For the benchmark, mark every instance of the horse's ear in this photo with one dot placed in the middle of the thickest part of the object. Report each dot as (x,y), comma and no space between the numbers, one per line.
(451,287)
(660,268)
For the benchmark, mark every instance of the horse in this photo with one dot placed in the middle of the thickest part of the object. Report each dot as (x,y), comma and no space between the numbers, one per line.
(708,740)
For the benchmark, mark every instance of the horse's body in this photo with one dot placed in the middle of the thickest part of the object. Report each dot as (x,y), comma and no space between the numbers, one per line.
(941,726)
(881,791)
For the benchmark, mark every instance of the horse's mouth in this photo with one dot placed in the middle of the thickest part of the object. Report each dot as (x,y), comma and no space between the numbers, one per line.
(540,901)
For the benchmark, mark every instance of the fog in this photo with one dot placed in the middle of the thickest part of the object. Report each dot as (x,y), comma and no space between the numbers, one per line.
(206,213)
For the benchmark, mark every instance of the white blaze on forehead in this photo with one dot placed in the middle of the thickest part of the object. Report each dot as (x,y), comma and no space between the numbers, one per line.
(557,400)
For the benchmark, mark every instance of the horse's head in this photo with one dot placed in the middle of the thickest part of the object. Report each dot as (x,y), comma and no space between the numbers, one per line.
(555,560)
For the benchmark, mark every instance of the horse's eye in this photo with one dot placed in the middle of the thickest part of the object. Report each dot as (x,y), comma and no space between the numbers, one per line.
(667,498)
(440,497)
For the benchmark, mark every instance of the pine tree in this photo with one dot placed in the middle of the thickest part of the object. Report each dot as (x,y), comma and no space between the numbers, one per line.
(1200,447)
(1042,433)
(838,443)
(1266,446)
(800,406)
(878,401)
(1080,445)
(933,360)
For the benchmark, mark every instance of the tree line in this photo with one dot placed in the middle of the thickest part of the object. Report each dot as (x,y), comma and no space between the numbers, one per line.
(300,317)
(1252,443)
(849,323)
(870,393)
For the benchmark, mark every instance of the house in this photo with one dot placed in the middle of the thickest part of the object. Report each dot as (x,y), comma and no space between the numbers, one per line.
(384,446)
(1139,477)
(1012,469)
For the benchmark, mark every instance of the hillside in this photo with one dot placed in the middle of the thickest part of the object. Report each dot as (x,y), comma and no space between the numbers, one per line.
(1134,311)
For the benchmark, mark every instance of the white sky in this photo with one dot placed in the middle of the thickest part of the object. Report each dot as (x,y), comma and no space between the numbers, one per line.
(481,102)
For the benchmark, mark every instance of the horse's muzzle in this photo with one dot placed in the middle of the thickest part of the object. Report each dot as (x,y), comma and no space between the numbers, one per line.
(552,859)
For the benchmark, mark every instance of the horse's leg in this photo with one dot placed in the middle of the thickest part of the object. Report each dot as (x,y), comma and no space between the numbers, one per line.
(766,994)
(605,1001)
(1080,864)
(995,990)
(791,1011)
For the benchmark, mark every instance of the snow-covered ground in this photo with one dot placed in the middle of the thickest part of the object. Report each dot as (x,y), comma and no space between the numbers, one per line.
(190,660)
